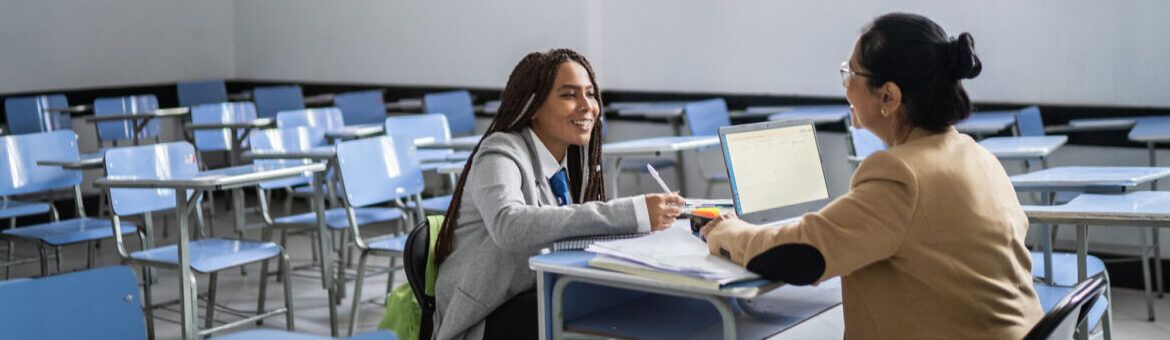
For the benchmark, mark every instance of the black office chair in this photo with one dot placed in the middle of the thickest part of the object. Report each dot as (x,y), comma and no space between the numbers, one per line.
(1060,322)
(417,251)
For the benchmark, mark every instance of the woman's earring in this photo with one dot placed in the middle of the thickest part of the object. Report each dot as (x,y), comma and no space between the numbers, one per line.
(884,113)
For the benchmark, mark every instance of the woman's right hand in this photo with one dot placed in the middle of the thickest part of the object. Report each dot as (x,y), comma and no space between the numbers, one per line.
(663,209)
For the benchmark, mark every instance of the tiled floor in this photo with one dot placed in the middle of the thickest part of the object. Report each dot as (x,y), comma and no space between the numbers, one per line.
(240,291)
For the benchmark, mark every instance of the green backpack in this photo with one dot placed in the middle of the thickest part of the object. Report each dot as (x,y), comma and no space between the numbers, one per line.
(403,315)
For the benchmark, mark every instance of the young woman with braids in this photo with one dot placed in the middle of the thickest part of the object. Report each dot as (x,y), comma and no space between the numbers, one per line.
(533,179)
(929,239)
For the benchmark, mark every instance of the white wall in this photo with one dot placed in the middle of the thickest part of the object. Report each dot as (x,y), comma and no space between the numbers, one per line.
(449,43)
(1052,52)
(68,44)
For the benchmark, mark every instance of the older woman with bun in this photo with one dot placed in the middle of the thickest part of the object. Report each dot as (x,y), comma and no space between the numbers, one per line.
(929,239)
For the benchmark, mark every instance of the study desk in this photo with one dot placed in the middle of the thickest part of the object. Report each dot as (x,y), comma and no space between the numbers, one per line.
(672,112)
(239,132)
(1086,179)
(657,145)
(461,143)
(1135,209)
(1151,131)
(139,120)
(818,114)
(406,104)
(1024,148)
(70,109)
(234,179)
(320,99)
(986,123)
(574,298)
(85,161)
(359,131)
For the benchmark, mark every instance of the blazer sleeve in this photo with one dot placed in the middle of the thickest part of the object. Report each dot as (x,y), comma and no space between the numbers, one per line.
(866,225)
(495,189)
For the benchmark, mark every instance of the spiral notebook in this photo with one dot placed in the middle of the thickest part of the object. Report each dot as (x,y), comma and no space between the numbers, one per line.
(580,243)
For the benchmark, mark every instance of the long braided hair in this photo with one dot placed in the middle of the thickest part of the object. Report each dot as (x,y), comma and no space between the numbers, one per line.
(528,87)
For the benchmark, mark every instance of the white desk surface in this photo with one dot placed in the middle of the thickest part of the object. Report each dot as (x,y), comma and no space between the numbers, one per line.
(818,114)
(986,122)
(1139,208)
(356,131)
(659,144)
(219,179)
(1088,178)
(463,143)
(1023,147)
(1155,130)
(649,109)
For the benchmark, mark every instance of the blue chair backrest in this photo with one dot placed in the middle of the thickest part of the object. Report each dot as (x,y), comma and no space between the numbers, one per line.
(285,139)
(18,159)
(158,161)
(865,142)
(123,130)
(213,140)
(377,170)
(193,93)
(327,119)
(706,117)
(1030,122)
(364,107)
(456,105)
(99,303)
(28,115)
(273,99)
(417,128)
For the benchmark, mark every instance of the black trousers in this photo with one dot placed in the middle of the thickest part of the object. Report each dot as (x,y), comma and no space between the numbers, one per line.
(515,319)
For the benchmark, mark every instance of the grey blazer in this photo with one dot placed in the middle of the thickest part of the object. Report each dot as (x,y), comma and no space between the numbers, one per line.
(508,214)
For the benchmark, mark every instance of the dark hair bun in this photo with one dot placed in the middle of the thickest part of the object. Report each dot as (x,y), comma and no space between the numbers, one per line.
(966,63)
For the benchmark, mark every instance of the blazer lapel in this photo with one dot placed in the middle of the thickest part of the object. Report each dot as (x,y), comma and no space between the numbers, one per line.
(545,196)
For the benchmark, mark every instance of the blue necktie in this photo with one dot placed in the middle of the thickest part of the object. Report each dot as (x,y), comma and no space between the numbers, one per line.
(560,187)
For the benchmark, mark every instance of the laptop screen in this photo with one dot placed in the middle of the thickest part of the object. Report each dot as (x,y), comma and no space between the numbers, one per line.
(774,169)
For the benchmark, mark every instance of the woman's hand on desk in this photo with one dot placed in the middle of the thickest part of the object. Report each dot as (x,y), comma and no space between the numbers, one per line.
(663,209)
(715,240)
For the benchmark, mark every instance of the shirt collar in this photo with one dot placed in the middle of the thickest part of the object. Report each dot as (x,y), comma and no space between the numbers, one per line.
(548,163)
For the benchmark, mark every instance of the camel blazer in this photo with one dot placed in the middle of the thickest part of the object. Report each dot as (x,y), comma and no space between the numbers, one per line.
(929,242)
(508,213)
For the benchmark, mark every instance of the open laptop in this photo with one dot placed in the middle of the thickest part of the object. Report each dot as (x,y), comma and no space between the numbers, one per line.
(775,170)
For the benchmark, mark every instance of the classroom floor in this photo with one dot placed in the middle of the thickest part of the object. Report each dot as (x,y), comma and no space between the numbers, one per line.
(240,291)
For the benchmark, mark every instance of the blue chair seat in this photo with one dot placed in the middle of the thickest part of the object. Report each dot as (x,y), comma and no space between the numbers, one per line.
(433,204)
(639,165)
(1051,295)
(335,218)
(70,231)
(10,209)
(395,244)
(209,255)
(1064,267)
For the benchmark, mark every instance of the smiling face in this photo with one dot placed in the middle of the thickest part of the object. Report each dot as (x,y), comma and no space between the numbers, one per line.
(569,111)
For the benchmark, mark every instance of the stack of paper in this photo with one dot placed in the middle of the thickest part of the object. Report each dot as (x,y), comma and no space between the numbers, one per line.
(674,255)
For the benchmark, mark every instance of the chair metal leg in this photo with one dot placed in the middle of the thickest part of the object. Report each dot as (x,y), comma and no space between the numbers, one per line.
(44,259)
(212,281)
(263,280)
(288,300)
(89,256)
(1146,276)
(357,292)
(148,304)
(283,245)
(1158,262)
(390,280)
(57,254)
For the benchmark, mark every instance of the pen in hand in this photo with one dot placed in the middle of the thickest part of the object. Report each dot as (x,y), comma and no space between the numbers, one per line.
(661,184)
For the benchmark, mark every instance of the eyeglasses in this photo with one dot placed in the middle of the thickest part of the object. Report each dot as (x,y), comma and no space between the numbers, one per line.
(846,73)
